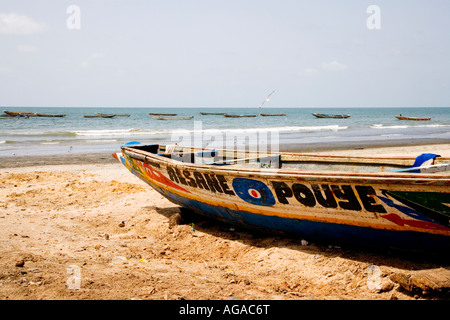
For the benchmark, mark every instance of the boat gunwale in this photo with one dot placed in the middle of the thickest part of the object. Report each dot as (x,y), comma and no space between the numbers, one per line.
(271,173)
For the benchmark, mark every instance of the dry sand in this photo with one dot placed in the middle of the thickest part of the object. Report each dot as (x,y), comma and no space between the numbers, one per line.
(89,230)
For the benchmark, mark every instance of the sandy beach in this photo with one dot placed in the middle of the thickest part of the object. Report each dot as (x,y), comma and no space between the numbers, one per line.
(81,227)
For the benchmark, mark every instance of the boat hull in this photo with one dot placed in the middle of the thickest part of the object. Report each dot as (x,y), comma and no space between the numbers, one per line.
(412,118)
(352,209)
(240,115)
(172,117)
(333,116)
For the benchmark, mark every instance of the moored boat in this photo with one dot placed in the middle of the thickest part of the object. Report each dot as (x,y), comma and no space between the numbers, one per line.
(239,115)
(106,115)
(334,116)
(212,113)
(370,201)
(50,115)
(272,114)
(99,115)
(400,117)
(20,114)
(162,114)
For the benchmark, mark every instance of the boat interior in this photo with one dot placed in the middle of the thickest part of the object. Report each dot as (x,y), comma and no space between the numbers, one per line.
(424,163)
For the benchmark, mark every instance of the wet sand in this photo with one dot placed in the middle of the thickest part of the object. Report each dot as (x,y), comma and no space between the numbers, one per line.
(82,227)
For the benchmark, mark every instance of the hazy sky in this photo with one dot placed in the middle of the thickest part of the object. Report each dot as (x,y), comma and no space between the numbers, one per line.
(224,53)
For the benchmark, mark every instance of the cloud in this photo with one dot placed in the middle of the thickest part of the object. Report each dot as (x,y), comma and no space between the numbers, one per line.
(16,24)
(334,66)
(27,48)
(310,72)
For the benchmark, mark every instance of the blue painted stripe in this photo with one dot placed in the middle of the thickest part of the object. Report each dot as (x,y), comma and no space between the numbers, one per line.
(312,230)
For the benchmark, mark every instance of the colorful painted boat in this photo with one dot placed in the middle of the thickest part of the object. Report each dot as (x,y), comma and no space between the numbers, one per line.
(20,114)
(375,202)
(106,115)
(99,115)
(172,117)
(272,114)
(212,113)
(334,116)
(412,118)
(162,114)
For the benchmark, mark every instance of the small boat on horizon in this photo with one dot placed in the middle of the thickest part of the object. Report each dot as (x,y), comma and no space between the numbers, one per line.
(106,115)
(212,113)
(334,116)
(272,114)
(50,115)
(99,115)
(19,114)
(373,202)
(172,117)
(239,115)
(162,114)
(400,117)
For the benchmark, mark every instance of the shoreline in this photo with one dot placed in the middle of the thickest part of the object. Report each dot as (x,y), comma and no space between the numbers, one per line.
(394,147)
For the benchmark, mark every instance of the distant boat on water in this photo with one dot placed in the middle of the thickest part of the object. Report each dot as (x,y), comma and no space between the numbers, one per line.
(32,114)
(400,117)
(106,115)
(272,115)
(99,115)
(20,114)
(172,117)
(334,116)
(162,114)
(50,115)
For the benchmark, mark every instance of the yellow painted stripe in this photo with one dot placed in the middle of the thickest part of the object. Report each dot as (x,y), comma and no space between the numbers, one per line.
(239,207)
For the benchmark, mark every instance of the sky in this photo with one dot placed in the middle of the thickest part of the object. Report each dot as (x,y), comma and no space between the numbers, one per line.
(210,53)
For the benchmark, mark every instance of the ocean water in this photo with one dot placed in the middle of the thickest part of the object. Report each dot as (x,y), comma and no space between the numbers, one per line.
(297,130)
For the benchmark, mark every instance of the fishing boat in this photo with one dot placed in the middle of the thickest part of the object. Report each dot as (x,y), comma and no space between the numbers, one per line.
(334,116)
(272,114)
(162,114)
(20,114)
(212,113)
(398,202)
(106,115)
(45,115)
(99,115)
(239,115)
(122,115)
(172,117)
(400,117)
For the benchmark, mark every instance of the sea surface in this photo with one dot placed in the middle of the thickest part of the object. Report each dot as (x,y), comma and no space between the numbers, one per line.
(298,130)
